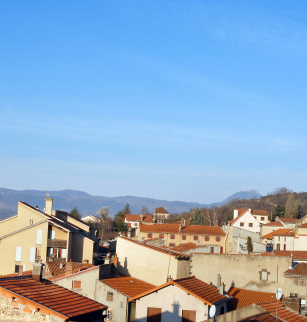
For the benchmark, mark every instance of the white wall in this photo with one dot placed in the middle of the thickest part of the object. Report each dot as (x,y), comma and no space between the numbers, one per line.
(172,300)
(284,240)
(246,219)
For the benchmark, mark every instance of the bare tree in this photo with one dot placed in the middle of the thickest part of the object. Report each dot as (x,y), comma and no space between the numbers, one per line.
(292,206)
(145,211)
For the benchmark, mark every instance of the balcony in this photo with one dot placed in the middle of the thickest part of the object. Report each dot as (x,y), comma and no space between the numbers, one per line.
(57,243)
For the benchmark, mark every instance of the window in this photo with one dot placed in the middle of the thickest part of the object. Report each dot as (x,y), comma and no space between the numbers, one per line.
(301,281)
(188,316)
(109,296)
(154,314)
(250,224)
(207,238)
(171,245)
(212,250)
(284,246)
(262,218)
(278,247)
(110,315)
(184,237)
(161,236)
(241,224)
(172,236)
(149,235)
(222,311)
(218,239)
(76,284)
(264,275)
(195,237)
(31,221)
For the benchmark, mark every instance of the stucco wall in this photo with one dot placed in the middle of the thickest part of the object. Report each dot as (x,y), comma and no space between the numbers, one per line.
(8,225)
(88,247)
(246,219)
(291,287)
(172,300)
(148,265)
(24,239)
(88,280)
(118,304)
(26,213)
(240,270)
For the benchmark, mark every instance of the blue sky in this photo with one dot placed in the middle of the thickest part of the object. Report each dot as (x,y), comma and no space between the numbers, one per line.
(178,100)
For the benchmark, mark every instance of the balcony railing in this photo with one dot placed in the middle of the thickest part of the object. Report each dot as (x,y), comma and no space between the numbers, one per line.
(57,243)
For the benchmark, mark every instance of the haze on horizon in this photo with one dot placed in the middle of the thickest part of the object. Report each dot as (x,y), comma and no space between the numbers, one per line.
(173,100)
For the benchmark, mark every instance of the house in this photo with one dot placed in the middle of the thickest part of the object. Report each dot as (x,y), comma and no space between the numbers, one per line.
(48,236)
(176,234)
(186,299)
(296,280)
(187,248)
(133,221)
(34,297)
(249,219)
(280,239)
(152,264)
(236,241)
(161,214)
(116,292)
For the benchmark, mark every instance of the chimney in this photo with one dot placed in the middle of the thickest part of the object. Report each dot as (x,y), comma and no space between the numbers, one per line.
(294,302)
(235,213)
(250,210)
(37,272)
(184,222)
(141,218)
(222,288)
(180,227)
(49,202)
(20,270)
(68,268)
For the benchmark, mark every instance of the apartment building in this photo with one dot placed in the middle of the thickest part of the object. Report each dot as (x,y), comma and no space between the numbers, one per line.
(49,236)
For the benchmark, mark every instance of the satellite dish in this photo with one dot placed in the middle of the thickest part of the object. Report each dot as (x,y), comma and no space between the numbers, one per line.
(279,294)
(212,311)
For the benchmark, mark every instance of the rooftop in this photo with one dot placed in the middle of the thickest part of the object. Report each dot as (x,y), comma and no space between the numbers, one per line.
(262,317)
(254,212)
(283,313)
(161,210)
(190,229)
(128,285)
(52,296)
(274,224)
(300,269)
(193,286)
(280,232)
(146,218)
(157,248)
(243,298)
(296,254)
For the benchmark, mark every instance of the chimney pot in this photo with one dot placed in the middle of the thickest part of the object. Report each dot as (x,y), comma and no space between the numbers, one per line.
(37,272)
(235,213)
(68,268)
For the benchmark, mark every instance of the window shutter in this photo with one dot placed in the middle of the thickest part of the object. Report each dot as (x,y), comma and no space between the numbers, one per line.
(18,254)
(64,253)
(39,237)
(52,234)
(32,254)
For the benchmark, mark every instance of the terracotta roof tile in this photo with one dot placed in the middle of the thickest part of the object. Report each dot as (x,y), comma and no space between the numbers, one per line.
(195,287)
(243,298)
(182,221)
(283,313)
(146,218)
(280,232)
(296,254)
(190,229)
(183,247)
(158,248)
(289,220)
(241,213)
(161,210)
(52,296)
(262,317)
(56,271)
(128,285)
(300,269)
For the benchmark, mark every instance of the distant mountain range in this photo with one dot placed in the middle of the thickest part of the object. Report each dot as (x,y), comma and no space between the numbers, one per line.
(87,204)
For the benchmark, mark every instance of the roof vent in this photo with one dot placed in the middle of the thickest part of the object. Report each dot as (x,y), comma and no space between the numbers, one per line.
(131,281)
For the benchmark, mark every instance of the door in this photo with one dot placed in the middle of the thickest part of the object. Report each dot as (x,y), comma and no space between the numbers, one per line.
(154,314)
(188,316)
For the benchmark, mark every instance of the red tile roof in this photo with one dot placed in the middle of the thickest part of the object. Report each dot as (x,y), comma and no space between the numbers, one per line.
(190,229)
(51,296)
(243,298)
(274,224)
(160,210)
(283,313)
(182,221)
(158,248)
(183,247)
(54,269)
(289,220)
(134,218)
(303,225)
(280,232)
(262,317)
(128,285)
(300,269)
(193,286)
(242,211)
(297,254)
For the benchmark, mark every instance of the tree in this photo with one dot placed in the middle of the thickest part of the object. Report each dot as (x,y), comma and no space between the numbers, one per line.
(145,211)
(197,218)
(119,218)
(279,211)
(249,245)
(75,213)
(292,206)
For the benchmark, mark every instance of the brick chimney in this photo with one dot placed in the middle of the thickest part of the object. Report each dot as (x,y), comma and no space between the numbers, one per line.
(20,270)
(294,302)
(37,272)
(49,202)
(68,268)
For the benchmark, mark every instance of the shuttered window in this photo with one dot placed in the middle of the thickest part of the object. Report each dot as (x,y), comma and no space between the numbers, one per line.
(32,254)
(39,237)
(188,316)
(154,314)
(18,254)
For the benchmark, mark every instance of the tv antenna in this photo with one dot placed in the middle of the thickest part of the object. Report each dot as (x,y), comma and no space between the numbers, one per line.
(212,312)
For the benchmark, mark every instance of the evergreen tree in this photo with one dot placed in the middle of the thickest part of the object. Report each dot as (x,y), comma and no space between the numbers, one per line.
(249,245)
(119,218)
(279,211)
(197,218)
(75,213)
